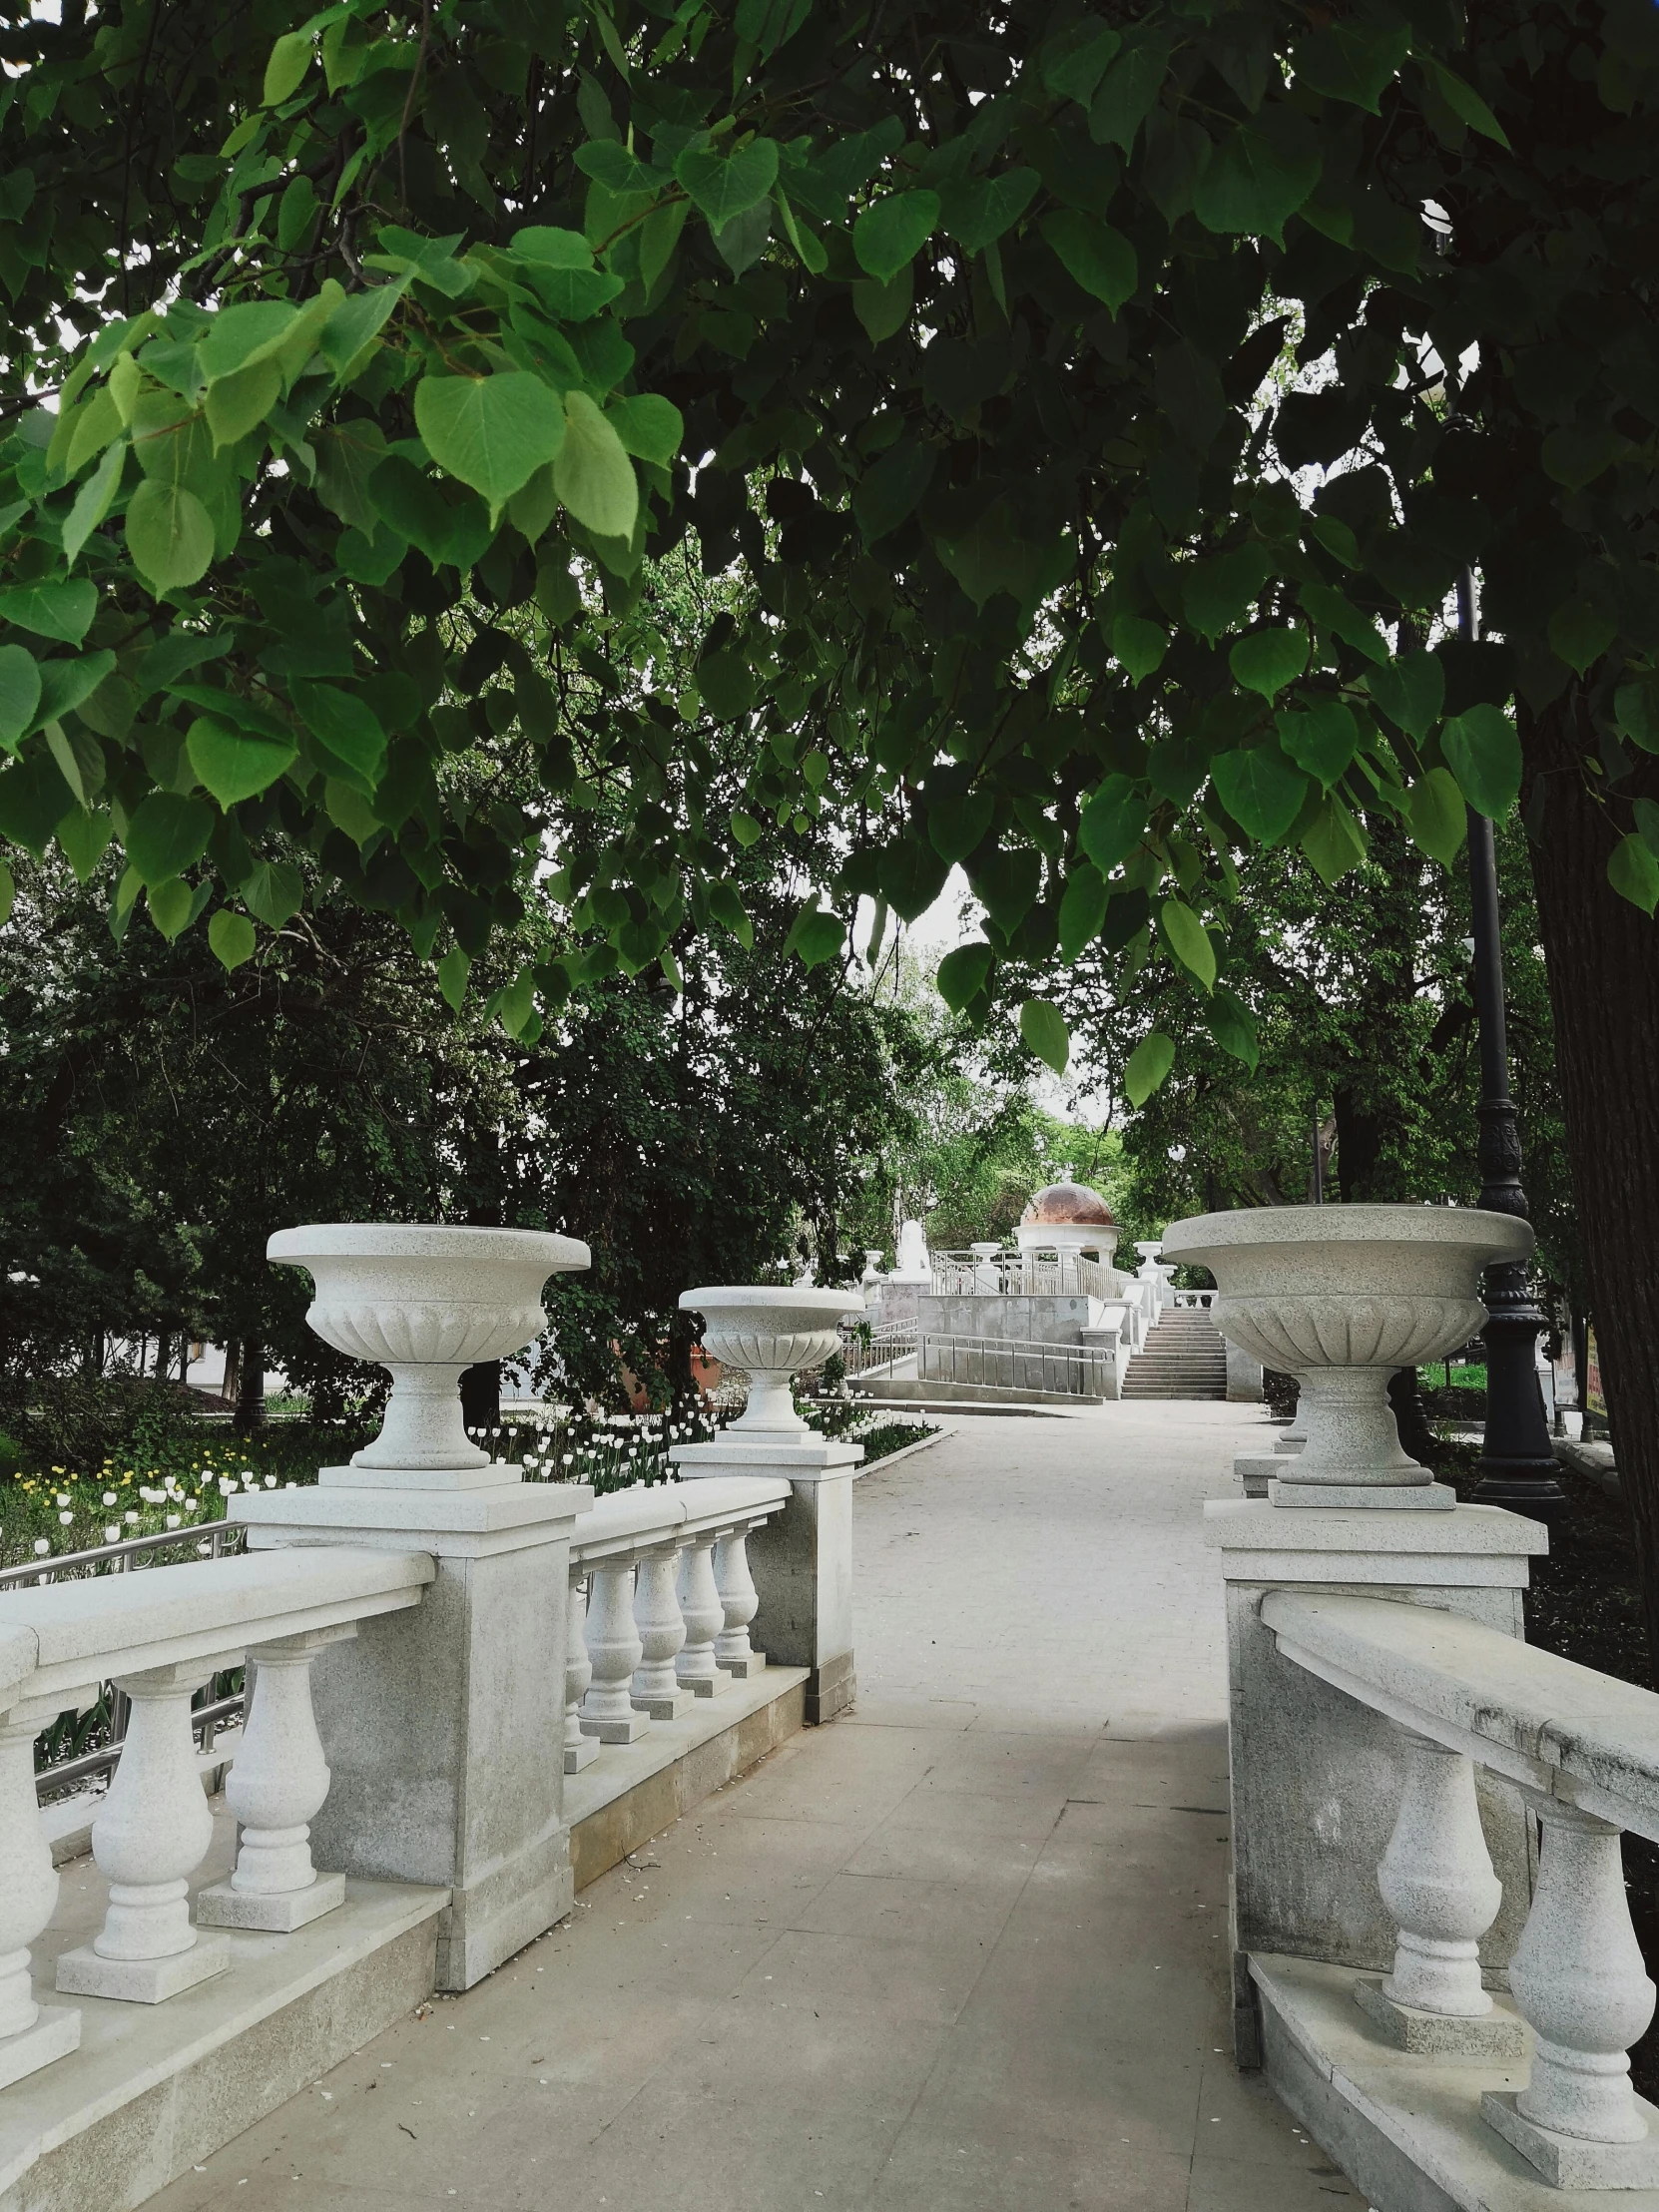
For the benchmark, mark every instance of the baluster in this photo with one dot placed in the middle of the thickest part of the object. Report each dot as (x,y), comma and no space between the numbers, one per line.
(1578,1978)
(580,1751)
(739,1602)
(152,1832)
(614,1649)
(704,1615)
(31,2035)
(276,1789)
(1437,1880)
(662,1632)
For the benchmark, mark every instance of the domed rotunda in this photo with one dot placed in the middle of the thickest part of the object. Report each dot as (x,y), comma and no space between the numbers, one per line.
(1068,1219)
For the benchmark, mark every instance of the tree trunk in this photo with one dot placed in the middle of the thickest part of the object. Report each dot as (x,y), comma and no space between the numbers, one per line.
(250,1388)
(481,1394)
(1602,957)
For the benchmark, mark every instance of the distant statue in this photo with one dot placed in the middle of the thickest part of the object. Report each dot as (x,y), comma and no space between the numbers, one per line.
(872,1266)
(808,1276)
(914,1263)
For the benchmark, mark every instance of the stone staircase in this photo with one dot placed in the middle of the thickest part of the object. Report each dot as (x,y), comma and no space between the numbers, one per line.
(1184,1356)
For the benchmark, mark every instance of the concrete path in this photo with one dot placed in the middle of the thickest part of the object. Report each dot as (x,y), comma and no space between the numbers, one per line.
(966,1951)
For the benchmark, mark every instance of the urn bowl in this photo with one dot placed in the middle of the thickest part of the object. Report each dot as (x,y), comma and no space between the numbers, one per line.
(771,1334)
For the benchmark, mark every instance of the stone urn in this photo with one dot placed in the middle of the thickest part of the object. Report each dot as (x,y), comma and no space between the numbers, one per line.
(772,1334)
(425,1302)
(1341,1295)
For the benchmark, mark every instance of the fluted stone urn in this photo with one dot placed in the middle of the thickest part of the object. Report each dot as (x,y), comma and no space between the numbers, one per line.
(772,1334)
(425,1302)
(1341,1295)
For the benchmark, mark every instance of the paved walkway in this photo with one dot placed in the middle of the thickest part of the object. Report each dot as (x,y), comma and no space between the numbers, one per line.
(966,1951)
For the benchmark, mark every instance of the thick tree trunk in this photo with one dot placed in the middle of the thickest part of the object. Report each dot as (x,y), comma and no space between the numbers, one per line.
(1602,955)
(250,1388)
(481,1394)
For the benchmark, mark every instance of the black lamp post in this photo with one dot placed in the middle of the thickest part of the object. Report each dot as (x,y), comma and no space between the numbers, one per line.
(1516,1467)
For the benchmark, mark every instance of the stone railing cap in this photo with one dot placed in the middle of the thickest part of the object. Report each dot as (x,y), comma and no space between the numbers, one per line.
(1252,1524)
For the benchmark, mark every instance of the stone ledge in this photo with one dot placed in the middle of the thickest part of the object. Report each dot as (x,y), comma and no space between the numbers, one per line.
(1406,2129)
(154,2089)
(633,1792)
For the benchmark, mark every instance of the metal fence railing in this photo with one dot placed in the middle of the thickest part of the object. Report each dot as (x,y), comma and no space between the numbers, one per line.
(997,1363)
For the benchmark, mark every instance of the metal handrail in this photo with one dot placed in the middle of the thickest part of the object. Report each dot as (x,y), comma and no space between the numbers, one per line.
(1077,1362)
(219,1536)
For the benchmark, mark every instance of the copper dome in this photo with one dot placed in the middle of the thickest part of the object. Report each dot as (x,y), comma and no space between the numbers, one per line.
(1072,1204)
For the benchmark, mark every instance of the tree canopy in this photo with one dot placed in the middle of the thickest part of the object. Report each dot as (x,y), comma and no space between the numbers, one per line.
(359,357)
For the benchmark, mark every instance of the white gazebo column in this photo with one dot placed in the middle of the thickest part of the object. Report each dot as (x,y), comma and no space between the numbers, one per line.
(1437,1880)
(1577,1975)
(657,1689)
(277,1785)
(580,1751)
(703,1616)
(445,1712)
(739,1602)
(31,2035)
(150,1834)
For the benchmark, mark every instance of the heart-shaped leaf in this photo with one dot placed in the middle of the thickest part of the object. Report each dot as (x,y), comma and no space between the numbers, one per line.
(1100,259)
(1437,814)
(962,974)
(722,185)
(1082,909)
(235,764)
(890,233)
(1044,1029)
(1267,660)
(1149,1063)
(1260,789)
(491,433)
(1112,823)
(592,472)
(19,694)
(1189,940)
(51,609)
(1483,753)
(166,834)
(231,937)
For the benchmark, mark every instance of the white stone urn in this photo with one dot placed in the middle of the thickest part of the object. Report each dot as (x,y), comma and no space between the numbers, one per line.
(427,1302)
(772,1334)
(1341,1295)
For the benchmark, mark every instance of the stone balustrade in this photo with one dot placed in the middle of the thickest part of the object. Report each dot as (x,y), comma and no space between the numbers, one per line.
(158,1636)
(1475,1725)
(662,1602)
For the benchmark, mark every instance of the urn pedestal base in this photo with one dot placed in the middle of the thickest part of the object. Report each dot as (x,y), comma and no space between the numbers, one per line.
(1415,1498)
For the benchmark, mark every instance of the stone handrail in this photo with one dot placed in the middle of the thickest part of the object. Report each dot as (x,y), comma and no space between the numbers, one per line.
(1583,1750)
(661,1598)
(158,1636)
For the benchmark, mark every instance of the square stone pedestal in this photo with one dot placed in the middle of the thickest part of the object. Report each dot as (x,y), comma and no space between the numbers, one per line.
(86,1974)
(744,1670)
(668,1707)
(1567,2161)
(55,2033)
(1364,1497)
(443,1726)
(802,1559)
(1498,2037)
(579,1757)
(280,1915)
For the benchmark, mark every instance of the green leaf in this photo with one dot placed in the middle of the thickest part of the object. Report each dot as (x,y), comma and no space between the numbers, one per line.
(431,261)
(740,242)
(1138,646)
(453,971)
(1149,1063)
(235,764)
(1352,62)
(244,335)
(727,907)
(1255,184)
(170,906)
(963,974)
(51,609)
(33,800)
(1112,823)
(889,234)
(816,937)
(1635,873)
(85,837)
(1261,789)
(1636,710)
(958,827)
(976,211)
(8,891)
(1082,909)
(727,683)
(592,472)
(242,400)
(1233,1026)
(768,24)
(231,937)
(1580,633)
(355,326)
(492,433)
(93,501)
(884,308)
(415,507)
(1044,1029)
(1338,613)
(272,892)
(1483,753)
(609,163)
(1322,739)
(19,694)
(1129,88)
(1576,453)
(1100,259)
(1267,660)
(1411,692)
(1334,842)
(346,727)
(722,187)
(284,72)
(1436,813)
(1189,940)
(166,834)
(1075,59)
(170,536)
(649,426)
(1215,592)
(745,828)
(295,212)
(65,684)
(1463,101)
(892,487)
